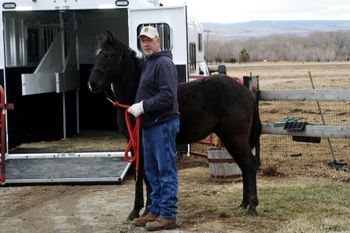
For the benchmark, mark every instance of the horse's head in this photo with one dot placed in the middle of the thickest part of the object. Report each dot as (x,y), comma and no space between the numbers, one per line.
(107,63)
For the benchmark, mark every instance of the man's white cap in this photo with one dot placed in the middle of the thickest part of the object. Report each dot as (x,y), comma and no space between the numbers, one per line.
(149,31)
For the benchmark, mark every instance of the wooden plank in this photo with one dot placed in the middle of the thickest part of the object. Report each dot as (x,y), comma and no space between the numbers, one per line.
(323,131)
(303,95)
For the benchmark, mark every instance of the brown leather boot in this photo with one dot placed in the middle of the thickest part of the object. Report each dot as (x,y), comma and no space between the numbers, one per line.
(161,224)
(141,222)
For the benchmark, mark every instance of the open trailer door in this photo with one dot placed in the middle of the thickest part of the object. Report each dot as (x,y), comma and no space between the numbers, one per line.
(40,67)
(171,23)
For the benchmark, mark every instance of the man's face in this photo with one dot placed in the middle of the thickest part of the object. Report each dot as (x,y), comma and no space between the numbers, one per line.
(150,46)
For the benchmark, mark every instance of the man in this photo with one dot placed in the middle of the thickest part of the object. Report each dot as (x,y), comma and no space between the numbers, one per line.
(156,99)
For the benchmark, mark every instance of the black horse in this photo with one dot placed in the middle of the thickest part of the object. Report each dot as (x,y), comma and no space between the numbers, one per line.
(216,104)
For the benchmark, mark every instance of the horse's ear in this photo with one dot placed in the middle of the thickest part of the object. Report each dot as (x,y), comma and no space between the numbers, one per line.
(103,38)
(110,37)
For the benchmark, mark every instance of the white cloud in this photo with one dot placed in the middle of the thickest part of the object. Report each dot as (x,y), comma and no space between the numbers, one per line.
(339,7)
(227,11)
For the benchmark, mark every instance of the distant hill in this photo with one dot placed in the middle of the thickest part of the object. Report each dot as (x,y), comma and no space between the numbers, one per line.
(246,30)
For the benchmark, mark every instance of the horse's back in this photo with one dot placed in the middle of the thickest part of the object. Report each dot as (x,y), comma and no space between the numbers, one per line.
(213,93)
(211,104)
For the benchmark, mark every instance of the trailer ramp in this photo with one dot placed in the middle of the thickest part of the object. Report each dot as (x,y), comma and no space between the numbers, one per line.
(88,167)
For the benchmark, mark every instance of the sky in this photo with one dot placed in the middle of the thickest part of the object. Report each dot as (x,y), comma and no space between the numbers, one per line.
(233,11)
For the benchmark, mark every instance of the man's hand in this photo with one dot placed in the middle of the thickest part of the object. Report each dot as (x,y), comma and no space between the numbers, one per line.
(136,109)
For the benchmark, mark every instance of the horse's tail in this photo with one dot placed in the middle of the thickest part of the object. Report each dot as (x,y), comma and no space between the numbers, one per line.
(255,132)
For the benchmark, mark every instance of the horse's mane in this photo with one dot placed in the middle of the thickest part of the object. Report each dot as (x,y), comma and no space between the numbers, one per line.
(138,60)
(107,39)
(117,44)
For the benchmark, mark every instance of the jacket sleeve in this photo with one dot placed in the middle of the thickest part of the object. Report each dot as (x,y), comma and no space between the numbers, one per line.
(166,76)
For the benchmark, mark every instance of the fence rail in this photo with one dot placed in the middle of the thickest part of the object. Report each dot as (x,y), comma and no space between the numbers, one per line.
(326,131)
(323,131)
(309,95)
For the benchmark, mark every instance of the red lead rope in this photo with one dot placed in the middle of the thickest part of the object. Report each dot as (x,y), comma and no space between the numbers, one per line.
(134,141)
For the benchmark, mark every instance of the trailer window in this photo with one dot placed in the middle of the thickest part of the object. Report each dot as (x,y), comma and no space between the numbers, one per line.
(164,34)
(192,51)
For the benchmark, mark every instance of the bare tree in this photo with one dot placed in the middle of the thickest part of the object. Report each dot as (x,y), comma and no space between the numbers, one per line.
(319,46)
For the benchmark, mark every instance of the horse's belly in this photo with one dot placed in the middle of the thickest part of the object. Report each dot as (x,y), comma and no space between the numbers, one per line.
(193,132)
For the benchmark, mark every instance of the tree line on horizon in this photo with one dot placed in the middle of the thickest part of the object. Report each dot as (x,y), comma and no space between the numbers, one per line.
(318,46)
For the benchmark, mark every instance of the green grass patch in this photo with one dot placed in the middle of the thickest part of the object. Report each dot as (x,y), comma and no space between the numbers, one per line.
(286,205)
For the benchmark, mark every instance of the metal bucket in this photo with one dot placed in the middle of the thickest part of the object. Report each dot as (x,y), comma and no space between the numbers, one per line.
(222,166)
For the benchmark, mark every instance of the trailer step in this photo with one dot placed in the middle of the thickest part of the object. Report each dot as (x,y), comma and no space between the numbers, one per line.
(82,169)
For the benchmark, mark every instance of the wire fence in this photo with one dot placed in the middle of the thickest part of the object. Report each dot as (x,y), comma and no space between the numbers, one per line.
(281,148)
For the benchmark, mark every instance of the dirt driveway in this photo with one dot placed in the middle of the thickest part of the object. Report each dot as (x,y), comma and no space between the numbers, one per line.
(33,209)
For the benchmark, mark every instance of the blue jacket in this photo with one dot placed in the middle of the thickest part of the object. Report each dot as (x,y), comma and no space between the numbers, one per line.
(158,89)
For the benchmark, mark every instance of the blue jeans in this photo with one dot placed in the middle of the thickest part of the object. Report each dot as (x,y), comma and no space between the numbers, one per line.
(159,149)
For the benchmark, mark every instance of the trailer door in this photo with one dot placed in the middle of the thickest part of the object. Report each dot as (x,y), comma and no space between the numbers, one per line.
(171,23)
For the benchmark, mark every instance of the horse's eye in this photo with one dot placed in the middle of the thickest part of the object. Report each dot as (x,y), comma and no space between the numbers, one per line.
(108,58)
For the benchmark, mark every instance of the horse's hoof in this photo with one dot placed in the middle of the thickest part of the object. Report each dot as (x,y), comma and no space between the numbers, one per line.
(145,212)
(252,212)
(134,214)
(243,205)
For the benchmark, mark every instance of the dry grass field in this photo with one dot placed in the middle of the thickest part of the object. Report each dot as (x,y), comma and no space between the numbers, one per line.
(295,75)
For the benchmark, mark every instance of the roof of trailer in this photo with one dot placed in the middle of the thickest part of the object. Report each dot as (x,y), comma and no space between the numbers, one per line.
(28,5)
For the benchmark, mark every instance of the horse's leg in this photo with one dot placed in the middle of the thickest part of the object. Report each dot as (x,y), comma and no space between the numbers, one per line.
(255,135)
(148,192)
(138,198)
(246,161)
(144,178)
(239,148)
(140,177)
(257,154)
(249,179)
(245,201)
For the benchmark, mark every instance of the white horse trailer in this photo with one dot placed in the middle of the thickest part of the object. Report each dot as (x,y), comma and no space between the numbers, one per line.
(46,54)
(197,63)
